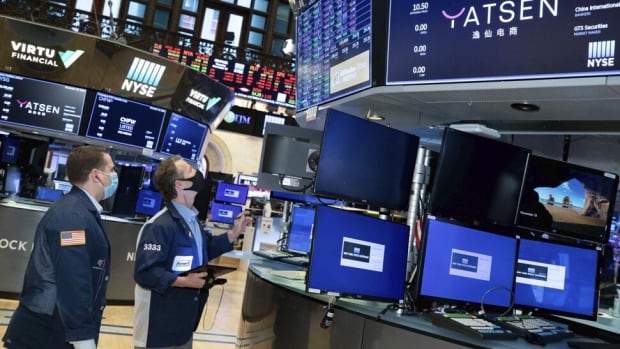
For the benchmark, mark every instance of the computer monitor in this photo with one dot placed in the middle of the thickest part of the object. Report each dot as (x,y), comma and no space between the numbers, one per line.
(465,265)
(357,256)
(148,203)
(62,185)
(477,179)
(567,199)
(363,161)
(231,193)
(299,236)
(48,194)
(223,213)
(10,150)
(266,233)
(12,180)
(553,277)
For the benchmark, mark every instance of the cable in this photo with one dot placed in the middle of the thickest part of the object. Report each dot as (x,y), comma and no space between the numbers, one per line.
(204,318)
(484,296)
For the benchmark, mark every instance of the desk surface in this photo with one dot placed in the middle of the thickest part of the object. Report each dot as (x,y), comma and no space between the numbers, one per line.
(292,278)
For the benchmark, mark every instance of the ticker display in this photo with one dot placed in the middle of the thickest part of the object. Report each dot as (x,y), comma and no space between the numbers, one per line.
(41,104)
(457,40)
(334,51)
(250,80)
(124,121)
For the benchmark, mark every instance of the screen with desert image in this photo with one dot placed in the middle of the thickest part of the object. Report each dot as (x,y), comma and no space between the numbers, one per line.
(567,199)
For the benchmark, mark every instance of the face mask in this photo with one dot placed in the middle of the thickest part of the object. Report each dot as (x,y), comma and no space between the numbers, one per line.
(111,188)
(198,182)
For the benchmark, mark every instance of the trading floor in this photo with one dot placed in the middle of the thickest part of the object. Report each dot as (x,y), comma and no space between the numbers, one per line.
(217,329)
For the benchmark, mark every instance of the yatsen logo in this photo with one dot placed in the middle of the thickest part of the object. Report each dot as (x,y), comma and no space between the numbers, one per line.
(602,54)
(143,77)
(37,108)
(503,12)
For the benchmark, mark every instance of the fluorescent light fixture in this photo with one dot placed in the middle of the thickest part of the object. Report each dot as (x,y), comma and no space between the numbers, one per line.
(477,129)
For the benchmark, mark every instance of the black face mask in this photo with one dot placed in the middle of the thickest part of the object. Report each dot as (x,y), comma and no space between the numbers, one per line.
(198,182)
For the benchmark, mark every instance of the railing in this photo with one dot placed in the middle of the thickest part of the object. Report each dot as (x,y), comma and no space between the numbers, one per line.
(132,33)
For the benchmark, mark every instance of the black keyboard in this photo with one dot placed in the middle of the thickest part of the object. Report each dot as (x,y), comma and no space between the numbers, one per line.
(301,261)
(535,329)
(275,255)
(471,325)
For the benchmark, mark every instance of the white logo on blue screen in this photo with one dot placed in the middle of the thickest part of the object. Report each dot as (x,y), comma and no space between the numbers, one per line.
(504,12)
(143,77)
(601,54)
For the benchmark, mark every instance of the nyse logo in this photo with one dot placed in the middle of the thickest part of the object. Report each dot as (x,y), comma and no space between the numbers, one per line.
(143,77)
(601,54)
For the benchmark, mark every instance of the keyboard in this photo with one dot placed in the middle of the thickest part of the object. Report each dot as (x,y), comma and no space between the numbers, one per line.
(535,329)
(301,261)
(471,325)
(270,254)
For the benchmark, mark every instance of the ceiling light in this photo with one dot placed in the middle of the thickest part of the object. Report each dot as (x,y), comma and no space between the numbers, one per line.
(526,107)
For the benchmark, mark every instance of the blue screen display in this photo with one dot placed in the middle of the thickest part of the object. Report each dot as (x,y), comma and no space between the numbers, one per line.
(557,278)
(185,137)
(460,264)
(222,213)
(123,121)
(300,232)
(10,150)
(48,194)
(231,193)
(358,256)
(148,203)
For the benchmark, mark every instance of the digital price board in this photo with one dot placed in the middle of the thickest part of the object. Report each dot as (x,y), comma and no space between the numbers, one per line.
(334,51)
(40,104)
(184,137)
(250,80)
(457,40)
(124,121)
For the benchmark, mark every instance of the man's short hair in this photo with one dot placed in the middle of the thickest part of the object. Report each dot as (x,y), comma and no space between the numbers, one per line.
(165,175)
(83,160)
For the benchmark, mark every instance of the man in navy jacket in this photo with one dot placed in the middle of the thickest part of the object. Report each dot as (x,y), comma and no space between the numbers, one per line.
(168,306)
(64,291)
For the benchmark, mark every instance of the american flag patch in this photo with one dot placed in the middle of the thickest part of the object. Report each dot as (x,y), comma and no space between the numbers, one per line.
(72,238)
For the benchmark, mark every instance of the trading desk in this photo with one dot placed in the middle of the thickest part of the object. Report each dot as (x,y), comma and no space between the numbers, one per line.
(278,313)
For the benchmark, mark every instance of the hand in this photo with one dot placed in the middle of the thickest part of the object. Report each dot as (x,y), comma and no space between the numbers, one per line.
(242,221)
(85,344)
(192,280)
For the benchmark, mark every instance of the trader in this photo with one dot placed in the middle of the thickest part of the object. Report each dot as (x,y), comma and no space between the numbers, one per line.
(168,306)
(65,284)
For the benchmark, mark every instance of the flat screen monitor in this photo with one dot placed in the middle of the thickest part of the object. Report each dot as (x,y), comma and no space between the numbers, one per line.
(457,41)
(10,150)
(358,256)
(299,236)
(462,264)
(41,104)
(12,179)
(266,233)
(185,137)
(48,194)
(557,278)
(363,161)
(126,122)
(567,199)
(334,51)
(284,158)
(62,185)
(148,203)
(477,179)
(231,193)
(224,213)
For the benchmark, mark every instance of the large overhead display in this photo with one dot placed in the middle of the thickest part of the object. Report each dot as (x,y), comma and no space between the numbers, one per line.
(451,41)
(41,104)
(333,51)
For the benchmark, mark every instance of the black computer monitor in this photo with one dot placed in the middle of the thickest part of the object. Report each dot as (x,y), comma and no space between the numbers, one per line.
(299,236)
(224,213)
(358,256)
(567,199)
(231,193)
(558,278)
(477,179)
(465,265)
(363,161)
(148,203)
